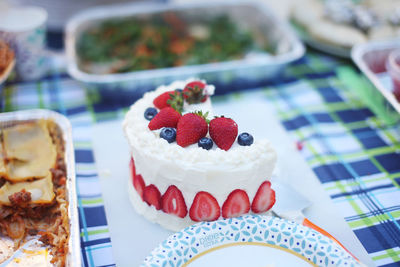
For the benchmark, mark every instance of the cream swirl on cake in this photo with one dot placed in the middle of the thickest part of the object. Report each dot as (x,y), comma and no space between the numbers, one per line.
(176,186)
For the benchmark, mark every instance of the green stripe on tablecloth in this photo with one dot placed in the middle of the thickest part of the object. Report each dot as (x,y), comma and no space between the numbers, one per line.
(96,232)
(367,180)
(92,201)
(373,220)
(83,144)
(92,96)
(8,91)
(39,90)
(390,253)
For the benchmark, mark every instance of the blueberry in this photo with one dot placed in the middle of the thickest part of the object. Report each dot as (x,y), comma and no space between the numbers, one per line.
(245,139)
(179,90)
(205,143)
(168,134)
(149,113)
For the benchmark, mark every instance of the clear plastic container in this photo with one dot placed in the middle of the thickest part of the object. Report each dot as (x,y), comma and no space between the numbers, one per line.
(393,68)
(372,59)
(252,15)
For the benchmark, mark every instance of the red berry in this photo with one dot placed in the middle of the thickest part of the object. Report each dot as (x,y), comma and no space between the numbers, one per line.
(223,132)
(193,92)
(161,101)
(132,167)
(167,117)
(264,198)
(139,184)
(236,204)
(173,202)
(191,128)
(152,196)
(204,208)
(137,179)
(299,145)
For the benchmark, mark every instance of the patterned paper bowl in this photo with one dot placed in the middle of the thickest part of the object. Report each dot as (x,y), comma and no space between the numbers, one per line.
(249,241)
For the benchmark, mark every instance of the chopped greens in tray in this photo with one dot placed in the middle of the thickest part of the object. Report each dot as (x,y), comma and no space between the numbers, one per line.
(165,40)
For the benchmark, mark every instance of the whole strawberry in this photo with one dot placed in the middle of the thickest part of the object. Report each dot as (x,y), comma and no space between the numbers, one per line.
(223,132)
(161,101)
(167,117)
(191,128)
(193,92)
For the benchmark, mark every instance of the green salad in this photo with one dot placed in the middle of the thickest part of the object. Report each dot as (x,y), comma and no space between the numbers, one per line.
(162,41)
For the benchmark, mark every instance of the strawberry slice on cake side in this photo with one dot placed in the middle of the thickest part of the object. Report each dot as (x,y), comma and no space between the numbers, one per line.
(204,208)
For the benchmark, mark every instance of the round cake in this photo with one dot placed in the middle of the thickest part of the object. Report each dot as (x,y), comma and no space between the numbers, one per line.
(188,165)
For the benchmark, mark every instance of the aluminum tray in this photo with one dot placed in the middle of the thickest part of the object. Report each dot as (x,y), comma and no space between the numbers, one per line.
(73,257)
(252,15)
(370,58)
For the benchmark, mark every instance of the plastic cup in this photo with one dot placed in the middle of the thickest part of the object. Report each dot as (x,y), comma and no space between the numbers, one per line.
(24,29)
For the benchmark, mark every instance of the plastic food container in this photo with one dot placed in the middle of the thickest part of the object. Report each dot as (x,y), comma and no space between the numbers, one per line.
(393,68)
(373,60)
(11,118)
(251,15)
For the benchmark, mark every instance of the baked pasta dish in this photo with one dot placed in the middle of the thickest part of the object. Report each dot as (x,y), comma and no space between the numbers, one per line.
(33,202)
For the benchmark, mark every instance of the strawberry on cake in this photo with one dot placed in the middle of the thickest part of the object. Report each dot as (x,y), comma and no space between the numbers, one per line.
(190,165)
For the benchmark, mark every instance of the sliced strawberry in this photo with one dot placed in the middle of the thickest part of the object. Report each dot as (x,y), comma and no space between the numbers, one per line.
(204,208)
(236,204)
(173,202)
(167,117)
(191,128)
(223,132)
(132,167)
(152,196)
(193,92)
(264,198)
(137,179)
(139,184)
(161,101)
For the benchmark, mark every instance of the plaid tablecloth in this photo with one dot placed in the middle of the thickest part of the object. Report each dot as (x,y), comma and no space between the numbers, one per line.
(355,154)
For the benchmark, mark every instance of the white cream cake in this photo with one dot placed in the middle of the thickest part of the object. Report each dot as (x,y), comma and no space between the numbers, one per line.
(202,184)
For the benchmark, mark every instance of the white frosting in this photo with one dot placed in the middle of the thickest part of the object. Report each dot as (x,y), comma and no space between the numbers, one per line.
(193,169)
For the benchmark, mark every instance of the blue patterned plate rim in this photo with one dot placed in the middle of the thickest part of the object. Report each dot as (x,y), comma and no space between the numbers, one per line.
(286,238)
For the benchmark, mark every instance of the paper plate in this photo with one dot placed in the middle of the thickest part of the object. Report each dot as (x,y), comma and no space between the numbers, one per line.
(249,241)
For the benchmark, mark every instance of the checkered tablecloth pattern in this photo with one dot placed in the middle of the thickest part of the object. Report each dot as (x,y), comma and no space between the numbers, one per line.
(354,153)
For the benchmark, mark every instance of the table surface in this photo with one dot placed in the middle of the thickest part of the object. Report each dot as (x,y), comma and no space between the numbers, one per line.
(133,237)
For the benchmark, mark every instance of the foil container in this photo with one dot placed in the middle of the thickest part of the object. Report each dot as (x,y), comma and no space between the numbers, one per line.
(12,118)
(371,59)
(254,16)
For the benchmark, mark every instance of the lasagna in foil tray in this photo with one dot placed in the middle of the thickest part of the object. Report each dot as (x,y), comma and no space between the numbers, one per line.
(33,196)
